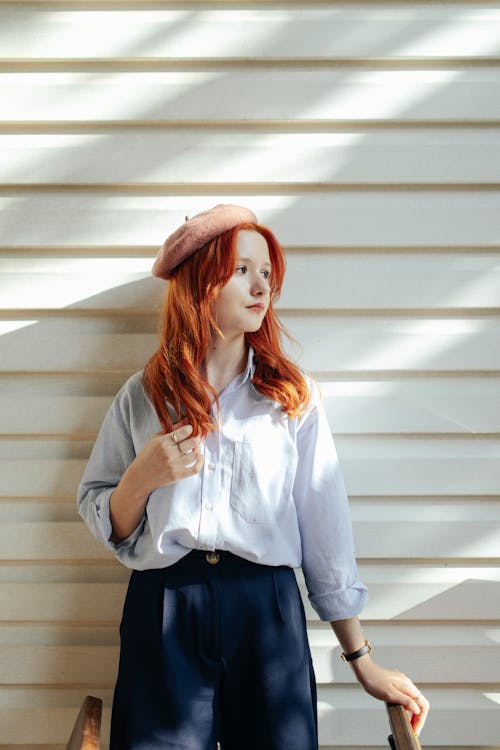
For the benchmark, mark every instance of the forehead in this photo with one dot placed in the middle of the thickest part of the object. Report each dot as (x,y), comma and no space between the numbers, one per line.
(252,245)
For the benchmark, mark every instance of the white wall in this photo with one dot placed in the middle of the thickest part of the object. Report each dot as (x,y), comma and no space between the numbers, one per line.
(367,136)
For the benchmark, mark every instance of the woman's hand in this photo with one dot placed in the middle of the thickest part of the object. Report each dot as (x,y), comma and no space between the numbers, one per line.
(392,686)
(164,459)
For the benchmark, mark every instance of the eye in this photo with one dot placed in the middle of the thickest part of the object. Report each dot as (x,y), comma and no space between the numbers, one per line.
(241,269)
(266,274)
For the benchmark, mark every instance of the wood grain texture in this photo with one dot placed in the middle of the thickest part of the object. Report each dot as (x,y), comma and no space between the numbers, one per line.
(402,733)
(87,730)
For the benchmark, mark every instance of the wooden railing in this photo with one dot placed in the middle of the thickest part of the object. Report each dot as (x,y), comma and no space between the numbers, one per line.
(403,736)
(87,730)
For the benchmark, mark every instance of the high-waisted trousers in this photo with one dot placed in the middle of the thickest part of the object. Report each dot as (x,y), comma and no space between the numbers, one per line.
(214,649)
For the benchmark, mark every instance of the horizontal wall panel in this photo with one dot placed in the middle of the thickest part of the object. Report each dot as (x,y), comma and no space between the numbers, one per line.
(273,93)
(31,478)
(53,633)
(38,510)
(59,665)
(81,284)
(45,699)
(76,345)
(428,539)
(53,415)
(411,466)
(409,406)
(95,603)
(470,600)
(314,280)
(33,728)
(345,219)
(344,30)
(416,591)
(336,280)
(392,343)
(50,541)
(206,157)
(377,343)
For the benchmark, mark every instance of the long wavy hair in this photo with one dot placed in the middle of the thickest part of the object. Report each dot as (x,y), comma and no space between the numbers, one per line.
(188,327)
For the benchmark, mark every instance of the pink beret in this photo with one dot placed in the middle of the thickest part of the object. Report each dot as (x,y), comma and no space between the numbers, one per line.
(195,233)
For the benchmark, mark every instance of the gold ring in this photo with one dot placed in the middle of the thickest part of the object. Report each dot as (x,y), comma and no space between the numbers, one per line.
(174,438)
(184,453)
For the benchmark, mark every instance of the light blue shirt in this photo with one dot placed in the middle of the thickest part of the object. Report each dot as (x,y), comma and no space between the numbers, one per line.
(270,490)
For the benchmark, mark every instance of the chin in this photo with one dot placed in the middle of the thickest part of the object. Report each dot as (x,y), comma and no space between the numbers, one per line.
(252,329)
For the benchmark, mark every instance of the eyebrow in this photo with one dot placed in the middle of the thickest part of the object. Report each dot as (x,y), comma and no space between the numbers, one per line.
(249,260)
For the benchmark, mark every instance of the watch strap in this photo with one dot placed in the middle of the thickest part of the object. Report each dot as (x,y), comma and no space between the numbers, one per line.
(366,649)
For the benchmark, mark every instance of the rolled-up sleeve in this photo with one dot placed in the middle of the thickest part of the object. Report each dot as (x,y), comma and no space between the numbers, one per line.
(328,555)
(112,453)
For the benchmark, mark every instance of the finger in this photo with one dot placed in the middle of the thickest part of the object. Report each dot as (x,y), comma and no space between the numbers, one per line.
(416,704)
(193,466)
(178,435)
(411,704)
(418,720)
(186,446)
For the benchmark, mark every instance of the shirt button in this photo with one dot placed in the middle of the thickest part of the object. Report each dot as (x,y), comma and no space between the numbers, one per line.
(211,467)
(208,506)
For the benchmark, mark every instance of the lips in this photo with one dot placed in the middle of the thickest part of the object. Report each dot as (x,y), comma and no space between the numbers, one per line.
(257,306)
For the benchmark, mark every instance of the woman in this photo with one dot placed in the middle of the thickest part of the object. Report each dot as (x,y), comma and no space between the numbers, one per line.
(213,476)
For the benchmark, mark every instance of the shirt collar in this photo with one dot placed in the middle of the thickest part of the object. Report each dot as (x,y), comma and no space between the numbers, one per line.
(248,372)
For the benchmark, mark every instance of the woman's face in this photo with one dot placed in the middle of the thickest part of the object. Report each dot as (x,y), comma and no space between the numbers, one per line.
(243,302)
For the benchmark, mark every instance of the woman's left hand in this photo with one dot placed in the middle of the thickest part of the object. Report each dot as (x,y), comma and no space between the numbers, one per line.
(392,686)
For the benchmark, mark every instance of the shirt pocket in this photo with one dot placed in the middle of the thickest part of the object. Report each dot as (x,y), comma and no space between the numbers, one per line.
(261,481)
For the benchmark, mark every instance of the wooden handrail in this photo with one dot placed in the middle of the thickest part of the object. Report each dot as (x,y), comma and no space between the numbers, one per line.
(403,736)
(86,732)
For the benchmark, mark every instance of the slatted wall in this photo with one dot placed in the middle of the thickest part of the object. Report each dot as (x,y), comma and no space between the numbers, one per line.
(367,136)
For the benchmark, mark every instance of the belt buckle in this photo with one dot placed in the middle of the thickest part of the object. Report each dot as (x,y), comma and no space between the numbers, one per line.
(212,558)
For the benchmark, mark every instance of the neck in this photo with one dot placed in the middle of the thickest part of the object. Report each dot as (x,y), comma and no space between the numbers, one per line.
(226,359)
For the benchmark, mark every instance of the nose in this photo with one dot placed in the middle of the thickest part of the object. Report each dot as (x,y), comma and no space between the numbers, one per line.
(260,285)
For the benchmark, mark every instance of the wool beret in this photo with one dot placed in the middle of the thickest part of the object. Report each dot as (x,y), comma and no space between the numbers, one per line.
(196,232)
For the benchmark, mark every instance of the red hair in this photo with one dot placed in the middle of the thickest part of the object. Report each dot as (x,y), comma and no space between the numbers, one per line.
(188,326)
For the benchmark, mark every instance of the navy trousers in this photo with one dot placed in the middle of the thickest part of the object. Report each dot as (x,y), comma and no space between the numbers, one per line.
(214,651)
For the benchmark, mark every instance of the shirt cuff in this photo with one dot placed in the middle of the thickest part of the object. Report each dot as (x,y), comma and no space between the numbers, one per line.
(105,528)
(342,604)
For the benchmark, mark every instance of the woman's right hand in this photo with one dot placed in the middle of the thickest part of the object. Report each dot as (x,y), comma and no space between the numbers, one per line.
(164,459)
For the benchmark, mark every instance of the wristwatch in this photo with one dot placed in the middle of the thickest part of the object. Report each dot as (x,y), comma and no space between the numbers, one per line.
(366,649)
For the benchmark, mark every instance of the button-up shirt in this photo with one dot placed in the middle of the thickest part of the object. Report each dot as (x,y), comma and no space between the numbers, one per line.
(270,490)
